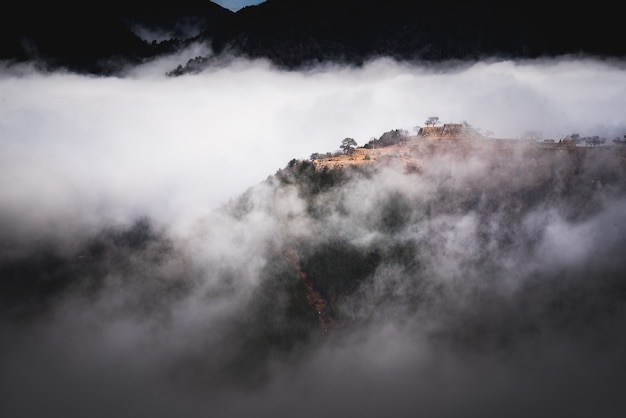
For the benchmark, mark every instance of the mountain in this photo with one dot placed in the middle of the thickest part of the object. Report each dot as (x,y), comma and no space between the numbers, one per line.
(293,34)
(181,20)
(98,38)
(484,277)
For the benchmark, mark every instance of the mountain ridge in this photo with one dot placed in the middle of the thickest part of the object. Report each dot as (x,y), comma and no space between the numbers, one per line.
(295,35)
(99,39)
(352,32)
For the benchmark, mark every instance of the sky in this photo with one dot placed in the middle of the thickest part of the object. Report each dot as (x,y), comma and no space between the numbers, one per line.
(235,5)
(510,305)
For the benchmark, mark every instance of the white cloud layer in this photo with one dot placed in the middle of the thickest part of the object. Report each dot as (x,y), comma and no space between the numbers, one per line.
(81,148)
(484,284)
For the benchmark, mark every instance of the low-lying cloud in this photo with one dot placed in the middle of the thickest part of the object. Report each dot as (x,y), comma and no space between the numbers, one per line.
(166,146)
(146,254)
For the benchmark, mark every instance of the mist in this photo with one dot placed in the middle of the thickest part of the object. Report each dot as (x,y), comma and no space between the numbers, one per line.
(156,236)
(164,146)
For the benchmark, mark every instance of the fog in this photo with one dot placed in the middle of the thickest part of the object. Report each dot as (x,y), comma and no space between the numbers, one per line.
(145,242)
(169,147)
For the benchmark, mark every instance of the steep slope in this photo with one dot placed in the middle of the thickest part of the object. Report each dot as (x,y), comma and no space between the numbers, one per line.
(491,279)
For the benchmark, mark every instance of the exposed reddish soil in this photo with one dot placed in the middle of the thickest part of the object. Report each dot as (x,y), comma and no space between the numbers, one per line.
(314,298)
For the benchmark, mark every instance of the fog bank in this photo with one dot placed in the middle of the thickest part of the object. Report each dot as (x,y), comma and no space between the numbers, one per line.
(157,247)
(173,147)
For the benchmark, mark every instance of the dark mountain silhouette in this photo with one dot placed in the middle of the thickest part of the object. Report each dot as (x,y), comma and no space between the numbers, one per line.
(292,34)
(97,37)
(181,20)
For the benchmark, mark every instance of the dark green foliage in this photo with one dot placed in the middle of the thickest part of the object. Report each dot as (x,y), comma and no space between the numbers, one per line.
(348,145)
(594,141)
(395,213)
(241,206)
(402,253)
(133,258)
(337,268)
(276,321)
(193,66)
(28,283)
(280,306)
(310,182)
(619,141)
(387,139)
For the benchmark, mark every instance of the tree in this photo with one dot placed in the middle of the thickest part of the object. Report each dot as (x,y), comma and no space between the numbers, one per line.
(348,145)
(620,141)
(594,141)
(432,121)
